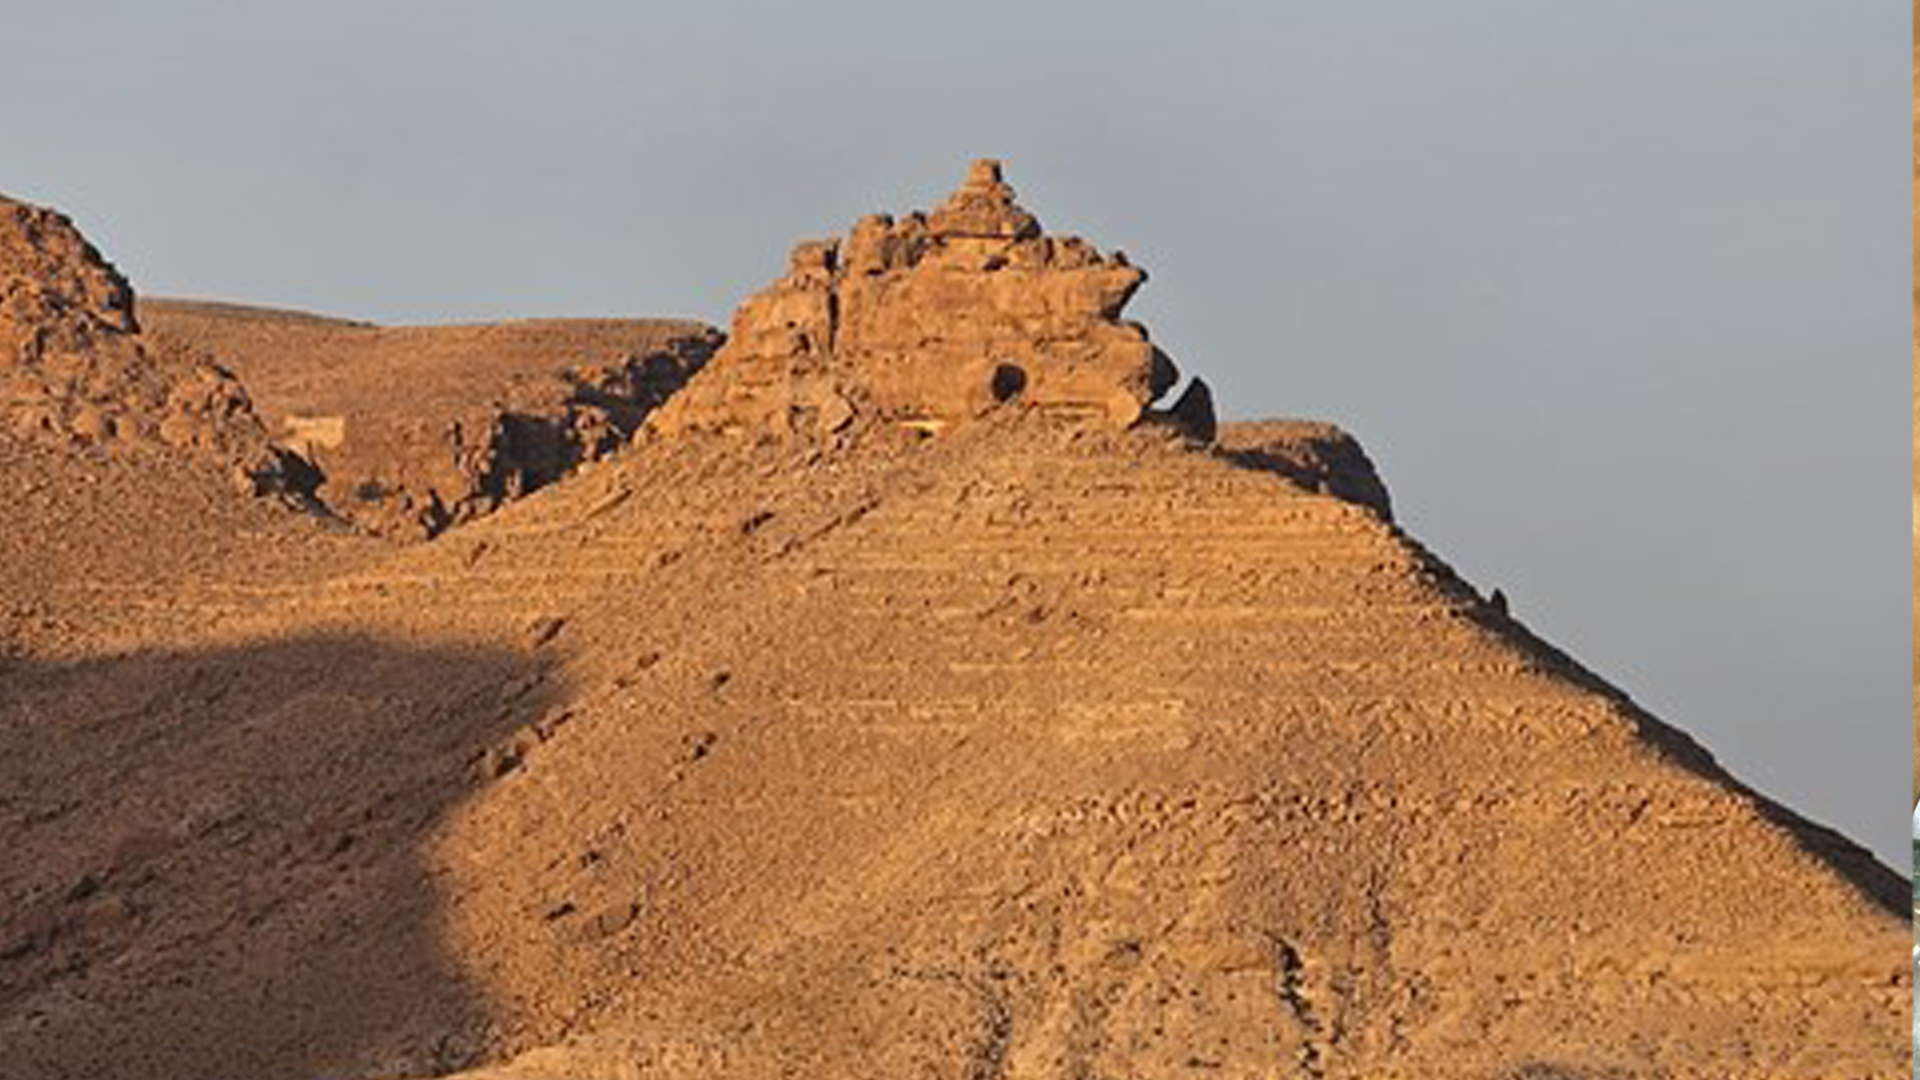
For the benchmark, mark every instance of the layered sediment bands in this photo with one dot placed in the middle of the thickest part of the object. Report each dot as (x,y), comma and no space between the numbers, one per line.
(1054,746)
(930,320)
(416,429)
(1029,751)
(1061,754)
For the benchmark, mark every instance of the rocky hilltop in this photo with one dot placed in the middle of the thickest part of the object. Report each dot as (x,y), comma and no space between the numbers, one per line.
(968,737)
(936,318)
(74,370)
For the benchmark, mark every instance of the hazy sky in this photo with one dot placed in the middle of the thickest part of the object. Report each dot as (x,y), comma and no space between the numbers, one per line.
(1616,294)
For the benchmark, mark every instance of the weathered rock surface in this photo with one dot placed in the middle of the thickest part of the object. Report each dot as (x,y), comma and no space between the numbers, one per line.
(1027,751)
(416,429)
(932,319)
(1037,750)
(75,372)
(1193,411)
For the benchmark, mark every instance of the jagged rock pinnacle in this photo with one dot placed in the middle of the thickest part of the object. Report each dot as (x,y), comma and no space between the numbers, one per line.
(930,320)
(983,207)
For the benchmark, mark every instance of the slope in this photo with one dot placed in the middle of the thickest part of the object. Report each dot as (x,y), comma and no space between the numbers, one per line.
(1038,748)
(1022,752)
(126,475)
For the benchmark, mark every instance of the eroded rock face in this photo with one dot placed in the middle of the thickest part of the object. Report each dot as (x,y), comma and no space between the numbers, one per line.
(75,371)
(414,429)
(421,474)
(929,320)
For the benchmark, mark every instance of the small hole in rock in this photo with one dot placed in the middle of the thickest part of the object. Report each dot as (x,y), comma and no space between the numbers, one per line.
(1008,381)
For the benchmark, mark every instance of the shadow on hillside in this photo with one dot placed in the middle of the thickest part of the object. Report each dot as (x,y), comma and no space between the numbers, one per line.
(1887,889)
(215,860)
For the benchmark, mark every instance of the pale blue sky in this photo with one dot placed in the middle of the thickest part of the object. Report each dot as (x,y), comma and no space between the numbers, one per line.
(1616,294)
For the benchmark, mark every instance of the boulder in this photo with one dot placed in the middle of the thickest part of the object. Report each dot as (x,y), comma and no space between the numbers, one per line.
(1192,412)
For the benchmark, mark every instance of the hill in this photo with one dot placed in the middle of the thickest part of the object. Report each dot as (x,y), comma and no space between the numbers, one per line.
(860,721)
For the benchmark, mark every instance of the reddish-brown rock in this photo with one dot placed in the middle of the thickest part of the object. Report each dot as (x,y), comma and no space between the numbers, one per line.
(75,371)
(413,429)
(932,319)
(1036,750)
(1317,456)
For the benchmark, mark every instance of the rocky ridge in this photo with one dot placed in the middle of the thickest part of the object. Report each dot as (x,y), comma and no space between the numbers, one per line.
(75,371)
(412,430)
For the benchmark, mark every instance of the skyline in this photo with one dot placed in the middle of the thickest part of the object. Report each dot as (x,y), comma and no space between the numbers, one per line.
(1605,294)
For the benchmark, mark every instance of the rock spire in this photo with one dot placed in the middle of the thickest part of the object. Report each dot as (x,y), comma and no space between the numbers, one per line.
(932,319)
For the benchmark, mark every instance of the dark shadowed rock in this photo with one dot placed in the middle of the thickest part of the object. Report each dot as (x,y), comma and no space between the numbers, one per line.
(1317,456)
(1193,412)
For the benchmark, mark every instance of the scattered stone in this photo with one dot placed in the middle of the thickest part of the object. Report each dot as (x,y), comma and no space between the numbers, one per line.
(699,746)
(550,723)
(500,760)
(82,889)
(613,919)
(836,413)
(607,503)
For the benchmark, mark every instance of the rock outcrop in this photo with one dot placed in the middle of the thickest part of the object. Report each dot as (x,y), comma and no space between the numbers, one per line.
(414,429)
(75,371)
(931,319)
(1317,456)
(1039,749)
